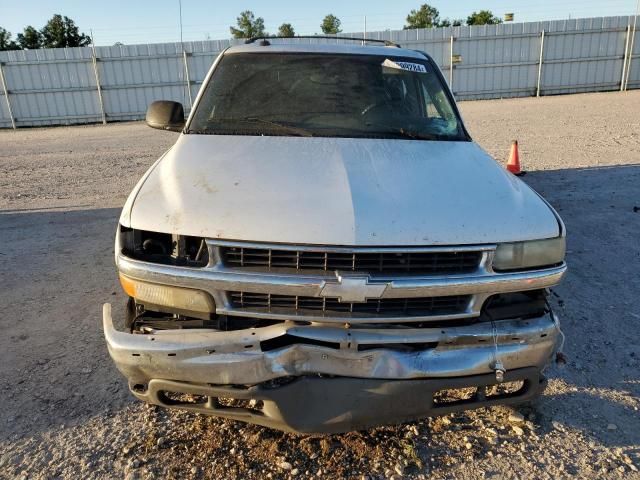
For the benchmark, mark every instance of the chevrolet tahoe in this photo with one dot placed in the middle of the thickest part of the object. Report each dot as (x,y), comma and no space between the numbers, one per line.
(326,249)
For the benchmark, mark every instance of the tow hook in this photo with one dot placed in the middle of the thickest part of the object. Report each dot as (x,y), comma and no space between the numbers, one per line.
(561,358)
(498,366)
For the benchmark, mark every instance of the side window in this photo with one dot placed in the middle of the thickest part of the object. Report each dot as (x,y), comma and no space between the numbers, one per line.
(437,107)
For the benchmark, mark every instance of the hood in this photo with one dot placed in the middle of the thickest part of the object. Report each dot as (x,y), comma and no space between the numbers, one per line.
(336,191)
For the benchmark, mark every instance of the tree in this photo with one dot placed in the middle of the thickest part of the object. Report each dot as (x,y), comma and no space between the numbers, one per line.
(61,32)
(483,17)
(248,26)
(5,40)
(451,23)
(30,38)
(286,30)
(425,17)
(331,25)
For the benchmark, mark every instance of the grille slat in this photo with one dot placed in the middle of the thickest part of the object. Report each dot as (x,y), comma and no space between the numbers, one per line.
(385,306)
(406,263)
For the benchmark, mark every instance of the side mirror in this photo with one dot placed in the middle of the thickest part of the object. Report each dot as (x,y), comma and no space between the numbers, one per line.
(165,115)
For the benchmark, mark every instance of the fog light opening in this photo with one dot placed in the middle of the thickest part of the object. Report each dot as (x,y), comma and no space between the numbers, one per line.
(506,389)
(181,399)
(139,388)
(251,405)
(454,395)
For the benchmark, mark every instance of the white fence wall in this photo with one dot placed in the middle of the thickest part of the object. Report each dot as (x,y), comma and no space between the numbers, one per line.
(82,85)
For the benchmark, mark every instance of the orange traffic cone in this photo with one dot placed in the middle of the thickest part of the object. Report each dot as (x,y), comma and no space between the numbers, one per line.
(513,165)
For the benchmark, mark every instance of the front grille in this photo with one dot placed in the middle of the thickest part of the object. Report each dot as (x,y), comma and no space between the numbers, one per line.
(423,306)
(408,263)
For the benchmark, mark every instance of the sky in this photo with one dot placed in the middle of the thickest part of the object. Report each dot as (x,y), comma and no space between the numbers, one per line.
(152,21)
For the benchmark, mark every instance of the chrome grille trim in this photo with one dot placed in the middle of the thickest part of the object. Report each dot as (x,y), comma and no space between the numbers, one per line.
(211,279)
(215,243)
(216,279)
(283,314)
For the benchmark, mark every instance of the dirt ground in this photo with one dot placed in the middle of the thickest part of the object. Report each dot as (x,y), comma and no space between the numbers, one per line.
(66,412)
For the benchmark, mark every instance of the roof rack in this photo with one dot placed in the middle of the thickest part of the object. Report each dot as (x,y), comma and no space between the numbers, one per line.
(265,40)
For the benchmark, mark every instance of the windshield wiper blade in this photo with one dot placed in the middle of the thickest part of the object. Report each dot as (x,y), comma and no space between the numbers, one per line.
(218,125)
(415,135)
(402,132)
(203,131)
(409,134)
(290,128)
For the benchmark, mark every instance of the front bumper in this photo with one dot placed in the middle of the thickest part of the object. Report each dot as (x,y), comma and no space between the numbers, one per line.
(367,376)
(237,357)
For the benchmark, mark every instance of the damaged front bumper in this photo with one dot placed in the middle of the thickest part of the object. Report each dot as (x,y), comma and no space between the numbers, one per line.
(312,405)
(326,379)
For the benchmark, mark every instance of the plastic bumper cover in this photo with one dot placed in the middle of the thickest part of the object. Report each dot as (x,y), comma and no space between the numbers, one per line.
(335,405)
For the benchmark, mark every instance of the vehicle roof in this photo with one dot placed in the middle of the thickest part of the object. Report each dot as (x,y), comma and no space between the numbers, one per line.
(281,46)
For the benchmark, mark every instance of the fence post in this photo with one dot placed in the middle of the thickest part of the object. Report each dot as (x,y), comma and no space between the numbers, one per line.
(633,39)
(625,57)
(187,78)
(540,61)
(451,64)
(6,96)
(94,60)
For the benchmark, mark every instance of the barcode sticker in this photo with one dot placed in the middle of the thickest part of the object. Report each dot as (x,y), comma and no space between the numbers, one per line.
(408,66)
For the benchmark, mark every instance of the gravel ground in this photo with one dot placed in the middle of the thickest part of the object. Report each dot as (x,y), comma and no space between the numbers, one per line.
(66,412)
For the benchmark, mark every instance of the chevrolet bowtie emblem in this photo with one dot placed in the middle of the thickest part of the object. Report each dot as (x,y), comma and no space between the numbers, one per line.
(353,288)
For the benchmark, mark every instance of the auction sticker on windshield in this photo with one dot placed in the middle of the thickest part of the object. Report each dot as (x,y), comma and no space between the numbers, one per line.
(408,66)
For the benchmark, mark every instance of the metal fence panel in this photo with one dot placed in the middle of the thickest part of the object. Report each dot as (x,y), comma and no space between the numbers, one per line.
(60,86)
(52,86)
(5,118)
(497,61)
(5,114)
(585,55)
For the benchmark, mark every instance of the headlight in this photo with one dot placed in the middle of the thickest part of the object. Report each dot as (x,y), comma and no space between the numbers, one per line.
(167,296)
(536,253)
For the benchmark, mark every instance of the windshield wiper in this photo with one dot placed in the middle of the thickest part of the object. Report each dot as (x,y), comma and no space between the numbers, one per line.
(280,126)
(300,131)
(403,132)
(414,135)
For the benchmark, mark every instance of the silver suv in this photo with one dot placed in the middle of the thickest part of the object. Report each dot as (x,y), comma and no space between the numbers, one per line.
(325,249)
